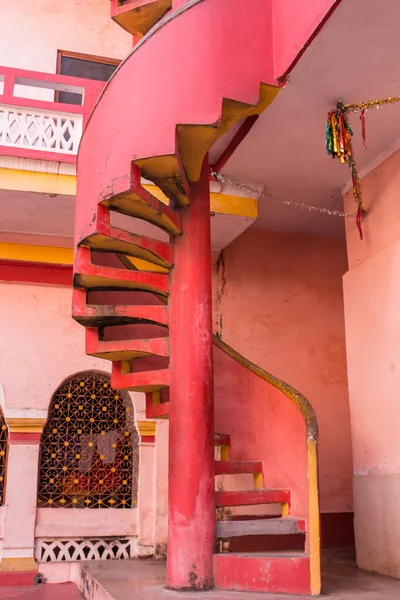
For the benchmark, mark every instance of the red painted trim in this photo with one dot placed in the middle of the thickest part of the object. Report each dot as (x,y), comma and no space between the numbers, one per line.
(17,578)
(237,139)
(32,272)
(283,77)
(24,438)
(37,154)
(148,439)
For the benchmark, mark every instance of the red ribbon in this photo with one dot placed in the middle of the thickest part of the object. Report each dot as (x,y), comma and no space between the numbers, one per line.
(358,223)
(362,118)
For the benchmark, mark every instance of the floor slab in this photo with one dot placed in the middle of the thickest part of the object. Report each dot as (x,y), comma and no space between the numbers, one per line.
(144,579)
(62,591)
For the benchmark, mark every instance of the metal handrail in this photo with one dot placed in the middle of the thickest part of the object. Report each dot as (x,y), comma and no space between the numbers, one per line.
(301,402)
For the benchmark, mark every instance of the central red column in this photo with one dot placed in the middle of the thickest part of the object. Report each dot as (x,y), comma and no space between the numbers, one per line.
(191,533)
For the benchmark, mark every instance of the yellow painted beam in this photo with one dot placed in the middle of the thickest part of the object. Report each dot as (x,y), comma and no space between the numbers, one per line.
(40,254)
(238,206)
(65,185)
(43,183)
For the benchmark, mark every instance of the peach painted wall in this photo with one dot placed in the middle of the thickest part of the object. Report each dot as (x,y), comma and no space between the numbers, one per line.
(33,30)
(372,300)
(282,307)
(40,346)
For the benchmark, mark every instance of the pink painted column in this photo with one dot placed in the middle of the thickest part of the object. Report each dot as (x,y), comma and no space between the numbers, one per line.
(21,497)
(191,533)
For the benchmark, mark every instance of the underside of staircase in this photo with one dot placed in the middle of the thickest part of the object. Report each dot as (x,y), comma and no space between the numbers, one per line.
(144,127)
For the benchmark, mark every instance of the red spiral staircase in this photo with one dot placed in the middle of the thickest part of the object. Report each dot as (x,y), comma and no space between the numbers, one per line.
(201,69)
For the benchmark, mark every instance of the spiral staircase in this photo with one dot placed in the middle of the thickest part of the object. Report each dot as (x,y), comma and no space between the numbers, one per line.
(146,128)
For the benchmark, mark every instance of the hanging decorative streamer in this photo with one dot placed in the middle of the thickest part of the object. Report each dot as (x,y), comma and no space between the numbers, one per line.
(339,143)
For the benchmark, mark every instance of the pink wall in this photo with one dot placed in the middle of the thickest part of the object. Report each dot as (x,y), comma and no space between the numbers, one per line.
(372,300)
(282,307)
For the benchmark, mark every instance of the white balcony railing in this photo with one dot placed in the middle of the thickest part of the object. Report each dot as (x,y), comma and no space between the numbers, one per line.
(39,127)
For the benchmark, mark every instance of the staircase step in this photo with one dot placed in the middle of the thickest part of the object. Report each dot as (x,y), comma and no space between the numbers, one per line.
(138,202)
(113,239)
(274,526)
(157,411)
(139,17)
(222,439)
(126,350)
(253,497)
(102,315)
(90,276)
(277,573)
(231,467)
(142,381)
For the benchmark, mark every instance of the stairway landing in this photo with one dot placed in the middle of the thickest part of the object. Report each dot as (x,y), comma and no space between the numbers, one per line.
(135,580)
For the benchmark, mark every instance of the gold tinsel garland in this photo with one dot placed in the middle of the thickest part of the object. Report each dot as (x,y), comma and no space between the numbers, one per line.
(339,142)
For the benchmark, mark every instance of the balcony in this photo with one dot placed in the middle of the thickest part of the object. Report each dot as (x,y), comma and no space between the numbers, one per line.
(33,123)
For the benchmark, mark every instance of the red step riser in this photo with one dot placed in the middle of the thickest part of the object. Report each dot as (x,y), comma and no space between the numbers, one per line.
(153,347)
(262,574)
(81,310)
(141,381)
(252,498)
(157,411)
(227,467)
(222,439)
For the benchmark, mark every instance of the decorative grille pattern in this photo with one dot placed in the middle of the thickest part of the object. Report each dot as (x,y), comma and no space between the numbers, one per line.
(3,456)
(89,449)
(40,130)
(72,550)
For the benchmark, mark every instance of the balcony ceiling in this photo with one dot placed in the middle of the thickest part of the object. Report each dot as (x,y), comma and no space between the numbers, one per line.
(353,59)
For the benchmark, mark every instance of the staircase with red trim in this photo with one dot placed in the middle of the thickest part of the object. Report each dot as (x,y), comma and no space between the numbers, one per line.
(145,127)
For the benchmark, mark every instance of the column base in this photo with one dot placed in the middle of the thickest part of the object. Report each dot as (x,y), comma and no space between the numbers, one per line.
(21,564)
(18,571)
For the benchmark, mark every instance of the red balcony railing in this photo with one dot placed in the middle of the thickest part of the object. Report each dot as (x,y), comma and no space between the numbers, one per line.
(38,126)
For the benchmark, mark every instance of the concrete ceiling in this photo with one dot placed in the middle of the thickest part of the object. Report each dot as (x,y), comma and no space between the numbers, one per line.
(353,59)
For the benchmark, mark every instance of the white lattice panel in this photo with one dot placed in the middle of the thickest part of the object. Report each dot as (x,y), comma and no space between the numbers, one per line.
(94,549)
(40,130)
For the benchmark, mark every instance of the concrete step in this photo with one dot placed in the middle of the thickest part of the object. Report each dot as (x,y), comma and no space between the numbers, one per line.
(248,498)
(139,203)
(94,277)
(232,467)
(113,239)
(141,381)
(276,573)
(124,350)
(274,526)
(222,439)
(103,315)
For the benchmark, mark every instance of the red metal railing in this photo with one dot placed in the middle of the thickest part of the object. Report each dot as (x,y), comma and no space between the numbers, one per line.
(38,128)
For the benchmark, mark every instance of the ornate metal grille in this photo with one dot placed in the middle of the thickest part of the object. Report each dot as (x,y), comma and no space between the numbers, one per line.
(3,455)
(89,449)
(96,549)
